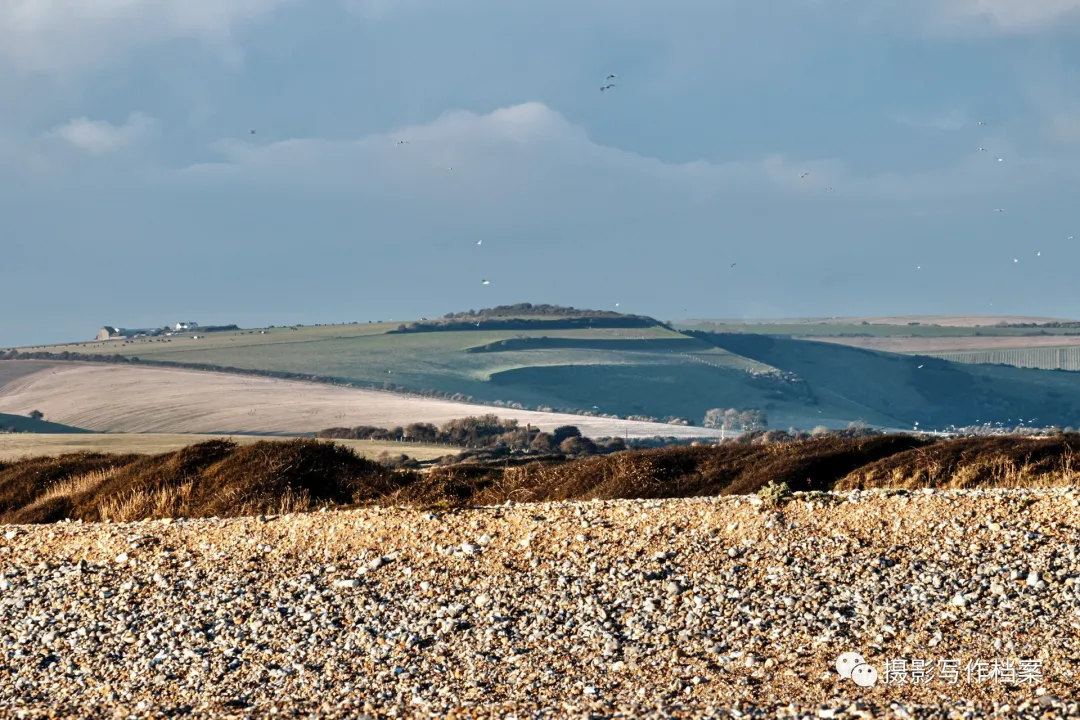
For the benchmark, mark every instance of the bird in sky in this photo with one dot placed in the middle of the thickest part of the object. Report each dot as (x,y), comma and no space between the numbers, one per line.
(485,281)
(981,122)
(612,75)
(252,132)
(606,87)
(802,175)
(732,264)
(1001,159)
(1038,254)
(479,242)
(980,149)
(1015,260)
(999,209)
(402,142)
(449,169)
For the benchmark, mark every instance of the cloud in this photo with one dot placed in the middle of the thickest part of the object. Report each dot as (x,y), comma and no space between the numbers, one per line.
(528,160)
(98,137)
(60,36)
(1012,16)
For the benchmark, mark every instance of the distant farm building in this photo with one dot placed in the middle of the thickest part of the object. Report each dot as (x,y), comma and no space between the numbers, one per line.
(109,332)
(186,326)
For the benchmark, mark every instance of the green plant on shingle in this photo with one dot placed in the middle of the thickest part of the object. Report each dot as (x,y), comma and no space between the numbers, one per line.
(773,494)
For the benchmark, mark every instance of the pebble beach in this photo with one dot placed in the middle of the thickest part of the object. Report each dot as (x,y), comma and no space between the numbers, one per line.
(963,603)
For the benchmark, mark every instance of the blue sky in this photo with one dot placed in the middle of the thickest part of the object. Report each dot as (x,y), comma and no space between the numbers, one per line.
(133,193)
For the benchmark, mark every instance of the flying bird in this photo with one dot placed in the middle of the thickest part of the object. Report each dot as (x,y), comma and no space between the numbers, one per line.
(981,122)
(1038,254)
(1001,159)
(999,209)
(606,87)
(612,75)
(1015,260)
(449,169)
(802,175)
(486,281)
(732,264)
(479,242)
(252,132)
(402,142)
(980,149)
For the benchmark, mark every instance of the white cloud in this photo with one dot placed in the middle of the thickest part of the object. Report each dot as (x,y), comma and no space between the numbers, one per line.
(529,159)
(58,36)
(98,137)
(1013,16)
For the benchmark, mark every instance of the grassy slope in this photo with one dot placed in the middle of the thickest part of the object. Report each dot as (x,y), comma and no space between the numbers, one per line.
(937,394)
(23,424)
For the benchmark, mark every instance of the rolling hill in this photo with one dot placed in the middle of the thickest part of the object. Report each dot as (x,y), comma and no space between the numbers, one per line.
(603,363)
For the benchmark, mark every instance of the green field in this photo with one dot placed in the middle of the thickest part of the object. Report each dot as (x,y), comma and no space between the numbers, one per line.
(652,371)
(21,424)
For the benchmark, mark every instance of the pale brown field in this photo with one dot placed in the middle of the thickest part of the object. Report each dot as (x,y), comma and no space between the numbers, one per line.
(951,344)
(21,445)
(113,398)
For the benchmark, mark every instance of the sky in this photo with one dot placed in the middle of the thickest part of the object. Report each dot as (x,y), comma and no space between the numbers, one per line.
(315,161)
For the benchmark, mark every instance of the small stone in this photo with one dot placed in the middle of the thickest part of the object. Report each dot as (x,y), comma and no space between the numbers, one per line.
(350,583)
(470,549)
(732,553)
(959,600)
(121,558)
(375,564)
(484,539)
(482,600)
(673,588)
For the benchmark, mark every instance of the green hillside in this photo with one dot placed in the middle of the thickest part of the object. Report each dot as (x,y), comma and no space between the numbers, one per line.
(930,391)
(21,424)
(629,365)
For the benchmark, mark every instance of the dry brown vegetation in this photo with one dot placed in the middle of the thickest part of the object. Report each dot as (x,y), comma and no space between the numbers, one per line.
(1008,461)
(221,478)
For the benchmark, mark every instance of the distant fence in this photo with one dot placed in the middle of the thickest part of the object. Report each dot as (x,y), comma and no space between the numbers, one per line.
(1051,358)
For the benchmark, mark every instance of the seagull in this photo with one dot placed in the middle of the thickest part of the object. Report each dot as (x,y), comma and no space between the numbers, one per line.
(920,367)
(999,209)
(616,304)
(252,132)
(980,149)
(402,142)
(606,87)
(1015,260)
(1001,159)
(449,169)
(1038,254)
(486,281)
(479,242)
(981,122)
(732,264)
(918,267)
(802,175)
(612,75)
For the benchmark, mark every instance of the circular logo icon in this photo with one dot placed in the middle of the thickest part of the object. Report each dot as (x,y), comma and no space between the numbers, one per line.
(864,675)
(847,662)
